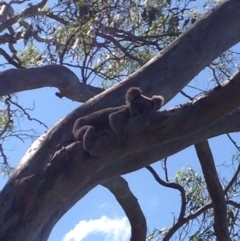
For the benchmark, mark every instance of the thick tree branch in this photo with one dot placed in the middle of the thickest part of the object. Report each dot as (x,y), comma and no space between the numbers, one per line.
(215,190)
(138,160)
(120,189)
(165,127)
(198,46)
(188,46)
(202,43)
(63,170)
(72,161)
(15,80)
(150,155)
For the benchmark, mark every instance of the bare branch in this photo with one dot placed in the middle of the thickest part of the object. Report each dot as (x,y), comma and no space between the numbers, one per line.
(24,112)
(33,10)
(15,80)
(120,189)
(56,168)
(234,204)
(215,190)
(5,11)
(123,49)
(185,220)
(234,179)
(9,58)
(192,216)
(174,186)
(234,143)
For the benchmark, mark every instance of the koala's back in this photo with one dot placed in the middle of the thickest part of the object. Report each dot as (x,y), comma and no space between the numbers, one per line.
(98,119)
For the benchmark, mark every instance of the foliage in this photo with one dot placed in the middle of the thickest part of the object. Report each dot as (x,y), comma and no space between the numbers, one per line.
(196,224)
(109,40)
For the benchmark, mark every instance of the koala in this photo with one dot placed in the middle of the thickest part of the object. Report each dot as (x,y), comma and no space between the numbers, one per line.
(140,104)
(86,127)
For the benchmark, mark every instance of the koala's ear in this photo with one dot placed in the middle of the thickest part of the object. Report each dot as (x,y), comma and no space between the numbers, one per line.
(158,102)
(132,93)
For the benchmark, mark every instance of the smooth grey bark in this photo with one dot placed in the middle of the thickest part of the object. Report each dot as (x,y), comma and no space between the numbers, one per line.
(120,189)
(16,80)
(137,160)
(70,169)
(56,172)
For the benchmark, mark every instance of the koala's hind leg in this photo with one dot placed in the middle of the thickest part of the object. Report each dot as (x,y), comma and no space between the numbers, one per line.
(88,140)
(86,134)
(117,120)
(79,133)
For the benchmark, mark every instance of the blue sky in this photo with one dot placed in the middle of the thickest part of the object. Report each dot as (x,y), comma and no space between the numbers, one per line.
(99,207)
